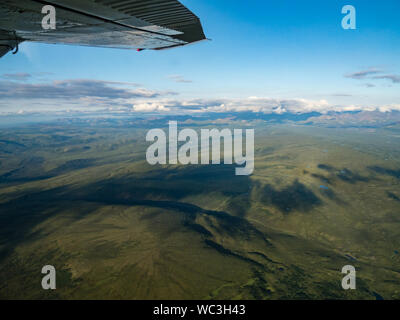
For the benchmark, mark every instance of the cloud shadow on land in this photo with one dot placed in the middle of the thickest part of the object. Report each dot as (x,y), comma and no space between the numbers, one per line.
(326,167)
(391,195)
(348,176)
(163,188)
(295,197)
(386,171)
(344,174)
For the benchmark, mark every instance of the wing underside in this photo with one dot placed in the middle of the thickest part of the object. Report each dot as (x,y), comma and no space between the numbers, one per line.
(127,24)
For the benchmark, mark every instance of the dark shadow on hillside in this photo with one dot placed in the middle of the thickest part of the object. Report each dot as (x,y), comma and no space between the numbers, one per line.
(391,195)
(327,190)
(21,215)
(344,174)
(386,171)
(71,165)
(322,178)
(348,176)
(31,169)
(176,184)
(162,189)
(330,194)
(326,167)
(294,197)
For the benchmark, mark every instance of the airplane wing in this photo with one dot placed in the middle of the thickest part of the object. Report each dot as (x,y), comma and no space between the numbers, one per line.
(127,24)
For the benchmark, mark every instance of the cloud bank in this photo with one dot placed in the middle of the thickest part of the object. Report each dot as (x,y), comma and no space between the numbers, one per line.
(87,95)
(252,104)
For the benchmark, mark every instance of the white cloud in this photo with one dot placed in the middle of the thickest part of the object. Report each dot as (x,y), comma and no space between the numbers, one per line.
(267,105)
(150,107)
(253,104)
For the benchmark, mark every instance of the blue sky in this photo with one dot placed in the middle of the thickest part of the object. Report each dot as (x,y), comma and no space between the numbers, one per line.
(279,51)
